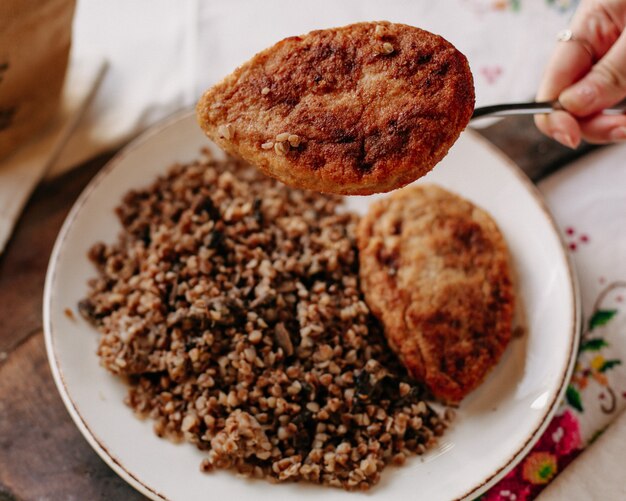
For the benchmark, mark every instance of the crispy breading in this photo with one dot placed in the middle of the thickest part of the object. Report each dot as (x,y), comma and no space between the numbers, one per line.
(360,109)
(435,270)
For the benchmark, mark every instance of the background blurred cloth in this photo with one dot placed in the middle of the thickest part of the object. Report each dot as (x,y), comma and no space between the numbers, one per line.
(164,54)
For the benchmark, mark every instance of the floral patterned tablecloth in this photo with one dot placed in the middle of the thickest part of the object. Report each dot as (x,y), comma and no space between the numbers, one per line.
(588,200)
(185,48)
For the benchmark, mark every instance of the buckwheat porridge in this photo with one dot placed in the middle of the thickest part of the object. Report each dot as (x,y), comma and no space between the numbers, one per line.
(231,304)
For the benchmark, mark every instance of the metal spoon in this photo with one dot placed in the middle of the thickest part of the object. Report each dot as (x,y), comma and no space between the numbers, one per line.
(502,110)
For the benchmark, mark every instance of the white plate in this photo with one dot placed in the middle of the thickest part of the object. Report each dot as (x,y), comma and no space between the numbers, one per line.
(495,425)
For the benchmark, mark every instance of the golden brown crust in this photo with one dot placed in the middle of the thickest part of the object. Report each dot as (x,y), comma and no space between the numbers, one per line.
(434,268)
(375,106)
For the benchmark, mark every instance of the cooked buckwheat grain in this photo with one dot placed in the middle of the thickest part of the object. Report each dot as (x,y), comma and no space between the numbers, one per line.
(232,304)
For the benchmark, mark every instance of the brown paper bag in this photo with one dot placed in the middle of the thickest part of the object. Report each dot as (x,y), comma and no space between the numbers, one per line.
(35,38)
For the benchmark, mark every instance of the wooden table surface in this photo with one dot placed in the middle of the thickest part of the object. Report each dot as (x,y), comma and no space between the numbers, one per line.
(43,456)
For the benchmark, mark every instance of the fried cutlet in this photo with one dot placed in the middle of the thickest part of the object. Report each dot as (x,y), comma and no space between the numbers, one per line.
(435,270)
(355,110)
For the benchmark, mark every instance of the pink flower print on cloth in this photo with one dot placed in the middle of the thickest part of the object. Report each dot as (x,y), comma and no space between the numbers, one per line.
(557,447)
(574,238)
(491,73)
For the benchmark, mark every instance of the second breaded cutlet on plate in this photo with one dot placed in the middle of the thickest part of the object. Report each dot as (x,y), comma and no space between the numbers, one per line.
(435,269)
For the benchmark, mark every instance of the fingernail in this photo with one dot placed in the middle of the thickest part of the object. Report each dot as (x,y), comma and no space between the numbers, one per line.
(565,139)
(577,96)
(618,134)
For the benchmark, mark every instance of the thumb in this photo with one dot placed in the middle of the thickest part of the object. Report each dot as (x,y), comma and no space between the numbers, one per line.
(602,87)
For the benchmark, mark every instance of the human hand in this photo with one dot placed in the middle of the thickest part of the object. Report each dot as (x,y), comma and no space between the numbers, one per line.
(587,75)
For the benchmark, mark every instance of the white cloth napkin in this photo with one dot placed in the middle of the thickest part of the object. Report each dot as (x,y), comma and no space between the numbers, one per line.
(151,47)
(164,54)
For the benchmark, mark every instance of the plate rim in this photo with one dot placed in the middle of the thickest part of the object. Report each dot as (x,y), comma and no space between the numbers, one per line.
(118,467)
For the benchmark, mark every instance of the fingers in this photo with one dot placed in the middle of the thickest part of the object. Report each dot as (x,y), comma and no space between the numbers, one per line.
(602,129)
(570,61)
(602,87)
(561,126)
(569,131)
(598,23)
(582,87)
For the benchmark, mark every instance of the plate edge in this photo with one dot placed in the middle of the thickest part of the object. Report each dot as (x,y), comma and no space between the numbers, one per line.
(57,374)
(576,322)
(145,489)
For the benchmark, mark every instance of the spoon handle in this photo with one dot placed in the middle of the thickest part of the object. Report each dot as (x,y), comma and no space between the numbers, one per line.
(501,110)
